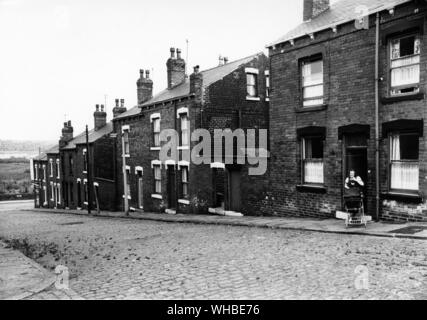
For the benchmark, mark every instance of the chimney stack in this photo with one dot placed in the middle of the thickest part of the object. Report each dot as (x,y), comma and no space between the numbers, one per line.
(225,60)
(196,84)
(175,69)
(67,134)
(312,8)
(144,87)
(220,61)
(100,117)
(117,110)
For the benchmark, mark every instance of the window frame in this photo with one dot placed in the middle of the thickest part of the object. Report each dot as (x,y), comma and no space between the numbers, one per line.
(85,162)
(157,181)
(390,161)
(302,62)
(417,86)
(303,160)
(51,168)
(181,131)
(155,142)
(58,169)
(255,74)
(184,183)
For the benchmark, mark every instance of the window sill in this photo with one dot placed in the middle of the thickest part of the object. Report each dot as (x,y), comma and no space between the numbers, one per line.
(129,197)
(127,155)
(320,107)
(311,188)
(157,196)
(267,99)
(403,197)
(407,97)
(183,148)
(253,98)
(183,201)
(155,148)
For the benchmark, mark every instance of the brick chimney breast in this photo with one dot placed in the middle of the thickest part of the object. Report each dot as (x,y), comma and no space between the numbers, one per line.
(144,87)
(117,110)
(196,84)
(175,69)
(67,134)
(100,117)
(312,8)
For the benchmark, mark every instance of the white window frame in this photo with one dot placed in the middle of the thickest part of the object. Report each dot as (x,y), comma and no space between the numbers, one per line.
(304,161)
(403,161)
(254,72)
(312,101)
(85,162)
(58,175)
(394,89)
(36,172)
(51,167)
(156,181)
(153,118)
(44,173)
(267,85)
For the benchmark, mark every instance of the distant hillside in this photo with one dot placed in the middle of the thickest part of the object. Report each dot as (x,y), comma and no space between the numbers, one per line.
(25,145)
(23,148)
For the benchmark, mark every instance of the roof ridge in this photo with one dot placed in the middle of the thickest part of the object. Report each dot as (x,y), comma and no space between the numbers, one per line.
(231,62)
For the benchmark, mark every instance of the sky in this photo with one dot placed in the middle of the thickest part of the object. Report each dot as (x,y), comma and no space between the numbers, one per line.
(61,57)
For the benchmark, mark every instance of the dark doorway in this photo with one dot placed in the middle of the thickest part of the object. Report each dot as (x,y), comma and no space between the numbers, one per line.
(218,176)
(234,189)
(79,195)
(171,187)
(356,158)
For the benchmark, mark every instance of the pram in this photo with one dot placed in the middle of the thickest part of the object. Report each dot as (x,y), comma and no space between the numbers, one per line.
(354,206)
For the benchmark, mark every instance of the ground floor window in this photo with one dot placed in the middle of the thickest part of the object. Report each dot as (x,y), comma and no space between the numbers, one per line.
(157,179)
(184,182)
(312,163)
(404,161)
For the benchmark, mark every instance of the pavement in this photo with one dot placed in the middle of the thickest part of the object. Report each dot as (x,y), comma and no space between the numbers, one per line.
(410,230)
(21,277)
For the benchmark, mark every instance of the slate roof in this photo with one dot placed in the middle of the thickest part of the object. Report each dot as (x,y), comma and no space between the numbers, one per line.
(53,150)
(183,90)
(41,157)
(339,13)
(93,136)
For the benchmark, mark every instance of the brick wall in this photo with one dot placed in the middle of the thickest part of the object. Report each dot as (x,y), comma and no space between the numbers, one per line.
(349,64)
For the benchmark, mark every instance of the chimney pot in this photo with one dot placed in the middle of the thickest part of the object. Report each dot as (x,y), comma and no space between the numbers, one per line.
(225,60)
(97,107)
(141,73)
(220,60)
(122,102)
(102,108)
(172,52)
(196,69)
(178,53)
(69,123)
(147,74)
(117,103)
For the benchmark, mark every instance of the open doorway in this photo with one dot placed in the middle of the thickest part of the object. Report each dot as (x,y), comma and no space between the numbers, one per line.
(356,159)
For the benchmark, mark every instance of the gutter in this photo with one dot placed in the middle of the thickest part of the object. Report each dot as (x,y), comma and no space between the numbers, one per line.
(377,139)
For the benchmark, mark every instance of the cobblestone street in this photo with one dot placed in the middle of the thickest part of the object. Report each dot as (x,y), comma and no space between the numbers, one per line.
(130,259)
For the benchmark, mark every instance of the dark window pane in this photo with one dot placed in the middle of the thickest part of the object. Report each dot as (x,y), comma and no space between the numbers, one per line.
(407,46)
(314,148)
(409,147)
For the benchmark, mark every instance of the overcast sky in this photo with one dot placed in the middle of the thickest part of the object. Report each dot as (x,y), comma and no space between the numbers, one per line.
(61,57)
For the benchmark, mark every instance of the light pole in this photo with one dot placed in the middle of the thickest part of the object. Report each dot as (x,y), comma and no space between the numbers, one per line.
(125,185)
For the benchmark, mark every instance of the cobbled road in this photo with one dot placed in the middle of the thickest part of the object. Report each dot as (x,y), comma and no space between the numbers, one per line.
(112,258)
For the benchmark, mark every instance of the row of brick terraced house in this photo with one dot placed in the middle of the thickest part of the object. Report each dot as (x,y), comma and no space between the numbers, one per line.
(345,90)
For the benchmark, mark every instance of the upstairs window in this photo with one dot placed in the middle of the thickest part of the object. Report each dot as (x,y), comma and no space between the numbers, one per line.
(58,169)
(251,82)
(44,172)
(312,164)
(70,164)
(156,132)
(404,162)
(51,167)
(312,81)
(267,84)
(36,172)
(405,65)
(84,161)
(126,142)
(185,129)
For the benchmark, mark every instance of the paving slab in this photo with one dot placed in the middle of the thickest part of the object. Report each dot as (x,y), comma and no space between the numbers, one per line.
(380,229)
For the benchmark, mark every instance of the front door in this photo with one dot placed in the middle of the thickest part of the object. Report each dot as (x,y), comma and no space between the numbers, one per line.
(140,194)
(171,187)
(234,190)
(356,159)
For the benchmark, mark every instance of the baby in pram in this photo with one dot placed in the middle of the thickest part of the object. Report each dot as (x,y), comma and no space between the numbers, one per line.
(353,194)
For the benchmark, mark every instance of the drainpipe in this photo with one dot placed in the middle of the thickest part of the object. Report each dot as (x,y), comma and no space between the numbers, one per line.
(377,136)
